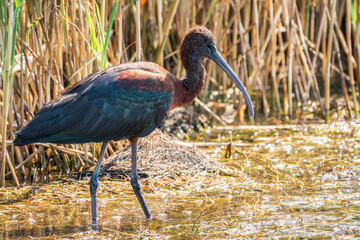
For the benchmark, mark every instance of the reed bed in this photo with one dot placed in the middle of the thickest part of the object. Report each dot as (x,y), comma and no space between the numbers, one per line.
(289,54)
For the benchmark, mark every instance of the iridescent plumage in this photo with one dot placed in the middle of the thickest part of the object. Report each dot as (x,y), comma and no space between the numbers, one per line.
(126,101)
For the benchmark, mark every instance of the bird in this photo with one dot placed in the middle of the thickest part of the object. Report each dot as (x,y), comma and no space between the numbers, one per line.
(125,101)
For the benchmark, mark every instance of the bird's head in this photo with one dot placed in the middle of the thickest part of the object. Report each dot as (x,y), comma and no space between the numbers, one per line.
(195,43)
(199,43)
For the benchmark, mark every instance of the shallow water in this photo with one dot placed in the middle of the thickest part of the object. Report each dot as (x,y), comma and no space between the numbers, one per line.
(298,183)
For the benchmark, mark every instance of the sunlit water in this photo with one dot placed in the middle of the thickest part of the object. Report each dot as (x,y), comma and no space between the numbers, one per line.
(299,183)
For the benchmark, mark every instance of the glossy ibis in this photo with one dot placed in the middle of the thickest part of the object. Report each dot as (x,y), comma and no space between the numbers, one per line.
(126,101)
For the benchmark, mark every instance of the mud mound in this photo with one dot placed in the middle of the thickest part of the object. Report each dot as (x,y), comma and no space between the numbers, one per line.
(184,121)
(158,155)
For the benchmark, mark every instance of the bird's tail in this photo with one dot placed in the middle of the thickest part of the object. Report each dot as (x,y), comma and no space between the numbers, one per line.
(20,141)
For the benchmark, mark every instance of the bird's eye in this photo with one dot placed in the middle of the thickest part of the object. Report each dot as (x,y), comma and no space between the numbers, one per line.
(211,47)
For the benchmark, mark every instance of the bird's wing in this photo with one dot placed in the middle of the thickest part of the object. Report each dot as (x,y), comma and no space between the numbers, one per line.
(109,106)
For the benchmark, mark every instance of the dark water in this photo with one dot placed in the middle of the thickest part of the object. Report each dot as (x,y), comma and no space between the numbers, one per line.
(297,183)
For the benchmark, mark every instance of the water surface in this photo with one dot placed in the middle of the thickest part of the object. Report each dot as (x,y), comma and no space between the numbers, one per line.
(288,183)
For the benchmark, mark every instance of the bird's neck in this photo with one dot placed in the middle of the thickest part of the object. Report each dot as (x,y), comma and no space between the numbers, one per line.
(195,75)
(195,79)
(189,88)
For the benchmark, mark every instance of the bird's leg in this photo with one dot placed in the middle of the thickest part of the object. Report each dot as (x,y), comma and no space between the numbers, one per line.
(94,185)
(134,178)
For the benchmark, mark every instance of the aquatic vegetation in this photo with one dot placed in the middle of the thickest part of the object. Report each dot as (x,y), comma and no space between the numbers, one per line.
(298,182)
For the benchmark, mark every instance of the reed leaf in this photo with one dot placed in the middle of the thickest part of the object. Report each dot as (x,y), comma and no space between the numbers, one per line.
(111,20)
(94,42)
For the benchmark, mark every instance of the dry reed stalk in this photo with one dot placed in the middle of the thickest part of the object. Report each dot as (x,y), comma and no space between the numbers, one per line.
(290,51)
(282,74)
(290,73)
(300,76)
(312,23)
(214,115)
(102,13)
(243,63)
(166,29)
(357,46)
(26,160)
(6,93)
(213,144)
(138,29)
(270,32)
(313,63)
(341,12)
(160,27)
(323,50)
(328,59)
(340,36)
(67,150)
(81,41)
(309,64)
(220,34)
(349,56)
(74,42)
(10,30)
(258,59)
(12,169)
(342,78)
(301,58)
(235,61)
(68,67)
(273,59)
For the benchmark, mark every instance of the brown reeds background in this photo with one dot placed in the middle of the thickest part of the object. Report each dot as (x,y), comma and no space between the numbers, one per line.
(286,52)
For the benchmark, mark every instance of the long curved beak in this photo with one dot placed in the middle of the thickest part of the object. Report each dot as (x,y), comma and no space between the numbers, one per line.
(220,61)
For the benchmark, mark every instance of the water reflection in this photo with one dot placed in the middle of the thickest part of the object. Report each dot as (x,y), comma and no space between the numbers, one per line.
(298,183)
